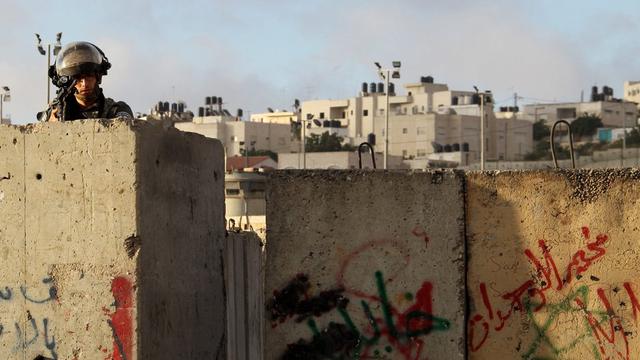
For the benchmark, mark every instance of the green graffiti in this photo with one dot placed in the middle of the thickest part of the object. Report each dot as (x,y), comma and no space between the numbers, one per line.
(554,310)
(399,334)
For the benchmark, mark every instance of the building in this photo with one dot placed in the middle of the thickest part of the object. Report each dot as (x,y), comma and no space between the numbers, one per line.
(252,162)
(428,119)
(613,112)
(335,160)
(237,135)
(245,204)
(632,92)
(276,117)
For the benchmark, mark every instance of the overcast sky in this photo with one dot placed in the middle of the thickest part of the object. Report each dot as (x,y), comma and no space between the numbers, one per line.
(259,54)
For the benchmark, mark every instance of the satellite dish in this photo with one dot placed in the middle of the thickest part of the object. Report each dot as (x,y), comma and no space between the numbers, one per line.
(317,122)
(270,109)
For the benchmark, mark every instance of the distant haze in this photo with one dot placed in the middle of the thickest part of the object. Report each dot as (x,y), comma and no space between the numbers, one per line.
(259,54)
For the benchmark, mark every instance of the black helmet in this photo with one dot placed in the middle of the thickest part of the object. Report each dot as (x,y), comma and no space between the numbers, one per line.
(81,57)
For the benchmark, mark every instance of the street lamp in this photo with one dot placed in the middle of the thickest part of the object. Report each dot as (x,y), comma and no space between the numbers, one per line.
(384,75)
(5,96)
(56,50)
(482,140)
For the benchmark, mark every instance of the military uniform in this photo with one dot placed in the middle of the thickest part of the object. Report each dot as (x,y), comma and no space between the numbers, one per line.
(75,60)
(104,108)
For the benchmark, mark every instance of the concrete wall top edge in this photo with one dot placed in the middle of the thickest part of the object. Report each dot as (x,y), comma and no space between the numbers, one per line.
(112,124)
(586,185)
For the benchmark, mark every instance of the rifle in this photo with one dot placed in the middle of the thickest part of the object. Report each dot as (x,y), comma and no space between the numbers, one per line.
(66,87)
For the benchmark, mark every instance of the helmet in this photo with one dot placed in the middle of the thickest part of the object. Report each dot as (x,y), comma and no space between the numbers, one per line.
(81,57)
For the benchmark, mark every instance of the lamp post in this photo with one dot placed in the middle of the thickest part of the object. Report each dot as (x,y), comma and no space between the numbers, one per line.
(384,75)
(56,50)
(482,140)
(5,96)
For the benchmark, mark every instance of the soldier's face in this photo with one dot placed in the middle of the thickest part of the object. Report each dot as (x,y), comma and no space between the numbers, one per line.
(86,86)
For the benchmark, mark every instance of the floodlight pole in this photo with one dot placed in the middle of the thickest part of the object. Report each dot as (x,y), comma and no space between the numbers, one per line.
(56,49)
(385,74)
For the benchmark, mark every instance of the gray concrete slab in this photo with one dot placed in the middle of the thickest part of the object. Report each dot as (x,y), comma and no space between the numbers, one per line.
(365,264)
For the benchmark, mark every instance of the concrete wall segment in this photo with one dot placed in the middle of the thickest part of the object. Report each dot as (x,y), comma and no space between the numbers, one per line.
(379,258)
(553,260)
(107,254)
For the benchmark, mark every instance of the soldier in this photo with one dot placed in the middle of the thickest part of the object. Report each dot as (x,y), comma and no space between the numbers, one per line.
(79,69)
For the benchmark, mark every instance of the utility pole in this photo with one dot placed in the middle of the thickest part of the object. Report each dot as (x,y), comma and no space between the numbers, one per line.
(56,49)
(482,131)
(385,74)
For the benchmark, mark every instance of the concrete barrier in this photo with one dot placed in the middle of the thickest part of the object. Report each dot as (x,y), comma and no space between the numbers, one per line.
(365,265)
(553,265)
(111,242)
(244,265)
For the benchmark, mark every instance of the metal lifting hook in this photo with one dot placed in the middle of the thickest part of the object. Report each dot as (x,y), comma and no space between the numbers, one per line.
(373,155)
(553,149)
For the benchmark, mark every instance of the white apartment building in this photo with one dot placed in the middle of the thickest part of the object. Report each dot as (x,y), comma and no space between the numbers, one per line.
(613,112)
(236,135)
(276,117)
(632,92)
(427,119)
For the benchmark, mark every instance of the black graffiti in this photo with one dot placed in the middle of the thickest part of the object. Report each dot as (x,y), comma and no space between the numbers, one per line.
(334,341)
(22,342)
(53,292)
(293,299)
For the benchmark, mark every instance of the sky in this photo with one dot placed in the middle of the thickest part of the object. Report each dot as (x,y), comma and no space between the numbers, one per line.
(257,54)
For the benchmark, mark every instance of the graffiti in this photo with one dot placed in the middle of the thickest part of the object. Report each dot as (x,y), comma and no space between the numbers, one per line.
(294,299)
(121,320)
(402,330)
(419,232)
(30,333)
(533,295)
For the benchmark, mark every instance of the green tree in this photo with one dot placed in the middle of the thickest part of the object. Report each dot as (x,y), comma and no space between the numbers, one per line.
(268,153)
(633,137)
(540,130)
(326,142)
(585,125)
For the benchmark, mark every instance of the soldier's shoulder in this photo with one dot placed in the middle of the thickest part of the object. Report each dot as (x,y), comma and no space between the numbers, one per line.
(118,109)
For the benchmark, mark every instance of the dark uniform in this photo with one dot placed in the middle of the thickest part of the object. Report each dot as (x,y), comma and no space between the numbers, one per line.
(104,108)
(76,59)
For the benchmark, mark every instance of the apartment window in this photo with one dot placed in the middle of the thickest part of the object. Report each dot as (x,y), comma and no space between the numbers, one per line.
(405,131)
(344,114)
(321,115)
(233,191)
(351,112)
(309,116)
(365,112)
(404,154)
(422,130)
(421,152)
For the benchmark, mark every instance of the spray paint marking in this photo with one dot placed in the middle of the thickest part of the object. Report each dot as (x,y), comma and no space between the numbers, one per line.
(402,330)
(121,319)
(551,278)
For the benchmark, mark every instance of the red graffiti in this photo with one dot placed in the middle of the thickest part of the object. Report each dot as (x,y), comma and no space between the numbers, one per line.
(601,335)
(419,232)
(121,321)
(548,277)
(634,300)
(372,246)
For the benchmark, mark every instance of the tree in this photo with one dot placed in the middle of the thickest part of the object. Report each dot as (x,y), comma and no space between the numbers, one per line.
(540,130)
(326,142)
(268,153)
(585,125)
(633,137)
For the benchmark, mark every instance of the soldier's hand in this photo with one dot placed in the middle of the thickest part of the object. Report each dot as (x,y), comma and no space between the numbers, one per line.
(54,115)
